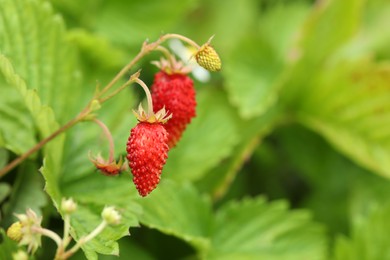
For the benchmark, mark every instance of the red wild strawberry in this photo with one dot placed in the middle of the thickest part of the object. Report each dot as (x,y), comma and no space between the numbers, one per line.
(147,148)
(147,151)
(174,90)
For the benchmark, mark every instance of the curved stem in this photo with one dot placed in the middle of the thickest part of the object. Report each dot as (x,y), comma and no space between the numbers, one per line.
(38,146)
(148,95)
(85,239)
(49,233)
(180,37)
(108,135)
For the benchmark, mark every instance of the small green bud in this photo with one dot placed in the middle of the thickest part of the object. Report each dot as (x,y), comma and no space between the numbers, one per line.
(111,216)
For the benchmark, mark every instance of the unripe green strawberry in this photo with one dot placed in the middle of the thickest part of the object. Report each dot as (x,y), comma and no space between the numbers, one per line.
(208,58)
(147,151)
(175,92)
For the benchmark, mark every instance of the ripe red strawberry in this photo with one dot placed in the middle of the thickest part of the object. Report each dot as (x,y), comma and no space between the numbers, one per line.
(175,91)
(147,151)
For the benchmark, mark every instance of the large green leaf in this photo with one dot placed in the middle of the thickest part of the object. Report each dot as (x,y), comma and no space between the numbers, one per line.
(209,138)
(17,130)
(27,192)
(251,229)
(218,179)
(94,192)
(179,210)
(370,238)
(34,40)
(349,105)
(255,67)
(254,229)
(132,22)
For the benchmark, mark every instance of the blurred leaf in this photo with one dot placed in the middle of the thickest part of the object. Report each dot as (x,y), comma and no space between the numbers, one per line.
(354,112)
(167,209)
(131,22)
(209,138)
(7,246)
(218,179)
(35,43)
(255,67)
(254,229)
(320,37)
(17,128)
(27,192)
(215,17)
(328,174)
(5,190)
(97,51)
(369,239)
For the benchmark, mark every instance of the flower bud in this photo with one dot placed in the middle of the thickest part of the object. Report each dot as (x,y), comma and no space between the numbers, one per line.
(20,255)
(68,205)
(111,216)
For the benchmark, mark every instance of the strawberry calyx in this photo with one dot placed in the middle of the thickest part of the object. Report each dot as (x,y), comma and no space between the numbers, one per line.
(108,167)
(160,116)
(172,66)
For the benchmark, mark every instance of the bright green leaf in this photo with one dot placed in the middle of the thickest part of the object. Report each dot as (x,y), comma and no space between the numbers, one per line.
(17,128)
(349,105)
(27,192)
(209,138)
(218,179)
(369,239)
(132,22)
(256,66)
(254,229)
(178,210)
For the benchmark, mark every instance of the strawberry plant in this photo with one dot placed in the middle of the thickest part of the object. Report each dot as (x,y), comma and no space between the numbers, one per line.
(126,131)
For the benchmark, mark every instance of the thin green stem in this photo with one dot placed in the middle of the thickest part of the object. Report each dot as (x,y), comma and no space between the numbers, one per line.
(180,37)
(85,239)
(65,238)
(108,135)
(48,233)
(148,95)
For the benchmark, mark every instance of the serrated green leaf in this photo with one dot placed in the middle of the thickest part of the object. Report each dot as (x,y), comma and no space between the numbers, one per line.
(27,192)
(209,138)
(35,42)
(349,105)
(178,210)
(17,127)
(132,22)
(255,67)
(94,192)
(369,240)
(218,179)
(254,229)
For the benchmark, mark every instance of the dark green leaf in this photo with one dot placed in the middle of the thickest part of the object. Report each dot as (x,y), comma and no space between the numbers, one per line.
(254,229)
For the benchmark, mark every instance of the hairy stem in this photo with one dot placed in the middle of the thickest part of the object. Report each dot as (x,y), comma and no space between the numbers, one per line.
(108,135)
(148,95)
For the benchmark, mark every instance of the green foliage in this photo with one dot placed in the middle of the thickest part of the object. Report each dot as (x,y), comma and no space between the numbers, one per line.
(300,113)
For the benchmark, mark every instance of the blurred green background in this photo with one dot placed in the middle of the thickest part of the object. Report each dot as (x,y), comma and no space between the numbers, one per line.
(298,116)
